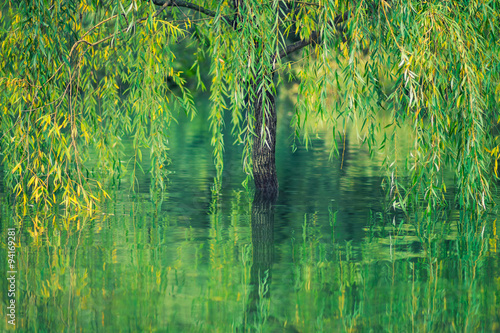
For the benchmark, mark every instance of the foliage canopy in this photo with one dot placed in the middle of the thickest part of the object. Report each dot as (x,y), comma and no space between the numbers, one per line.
(76,77)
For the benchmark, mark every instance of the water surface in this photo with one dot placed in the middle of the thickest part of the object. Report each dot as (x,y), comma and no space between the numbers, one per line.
(326,256)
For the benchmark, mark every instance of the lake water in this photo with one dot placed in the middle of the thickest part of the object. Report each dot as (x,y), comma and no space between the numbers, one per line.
(327,256)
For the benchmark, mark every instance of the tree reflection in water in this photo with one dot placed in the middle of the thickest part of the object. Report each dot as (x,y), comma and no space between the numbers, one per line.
(263,255)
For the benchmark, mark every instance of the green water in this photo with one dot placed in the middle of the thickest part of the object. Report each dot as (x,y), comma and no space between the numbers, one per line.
(327,256)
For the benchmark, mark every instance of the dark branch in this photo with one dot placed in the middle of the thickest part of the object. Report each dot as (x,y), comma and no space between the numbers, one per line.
(192,6)
(185,4)
(298,45)
(314,38)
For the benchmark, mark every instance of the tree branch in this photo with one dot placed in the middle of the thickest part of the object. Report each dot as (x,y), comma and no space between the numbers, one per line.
(185,4)
(314,38)
(298,45)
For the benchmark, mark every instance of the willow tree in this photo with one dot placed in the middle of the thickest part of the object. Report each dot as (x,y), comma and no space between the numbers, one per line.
(76,76)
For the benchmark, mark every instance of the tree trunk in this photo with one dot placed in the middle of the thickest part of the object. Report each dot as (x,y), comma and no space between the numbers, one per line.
(264,145)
